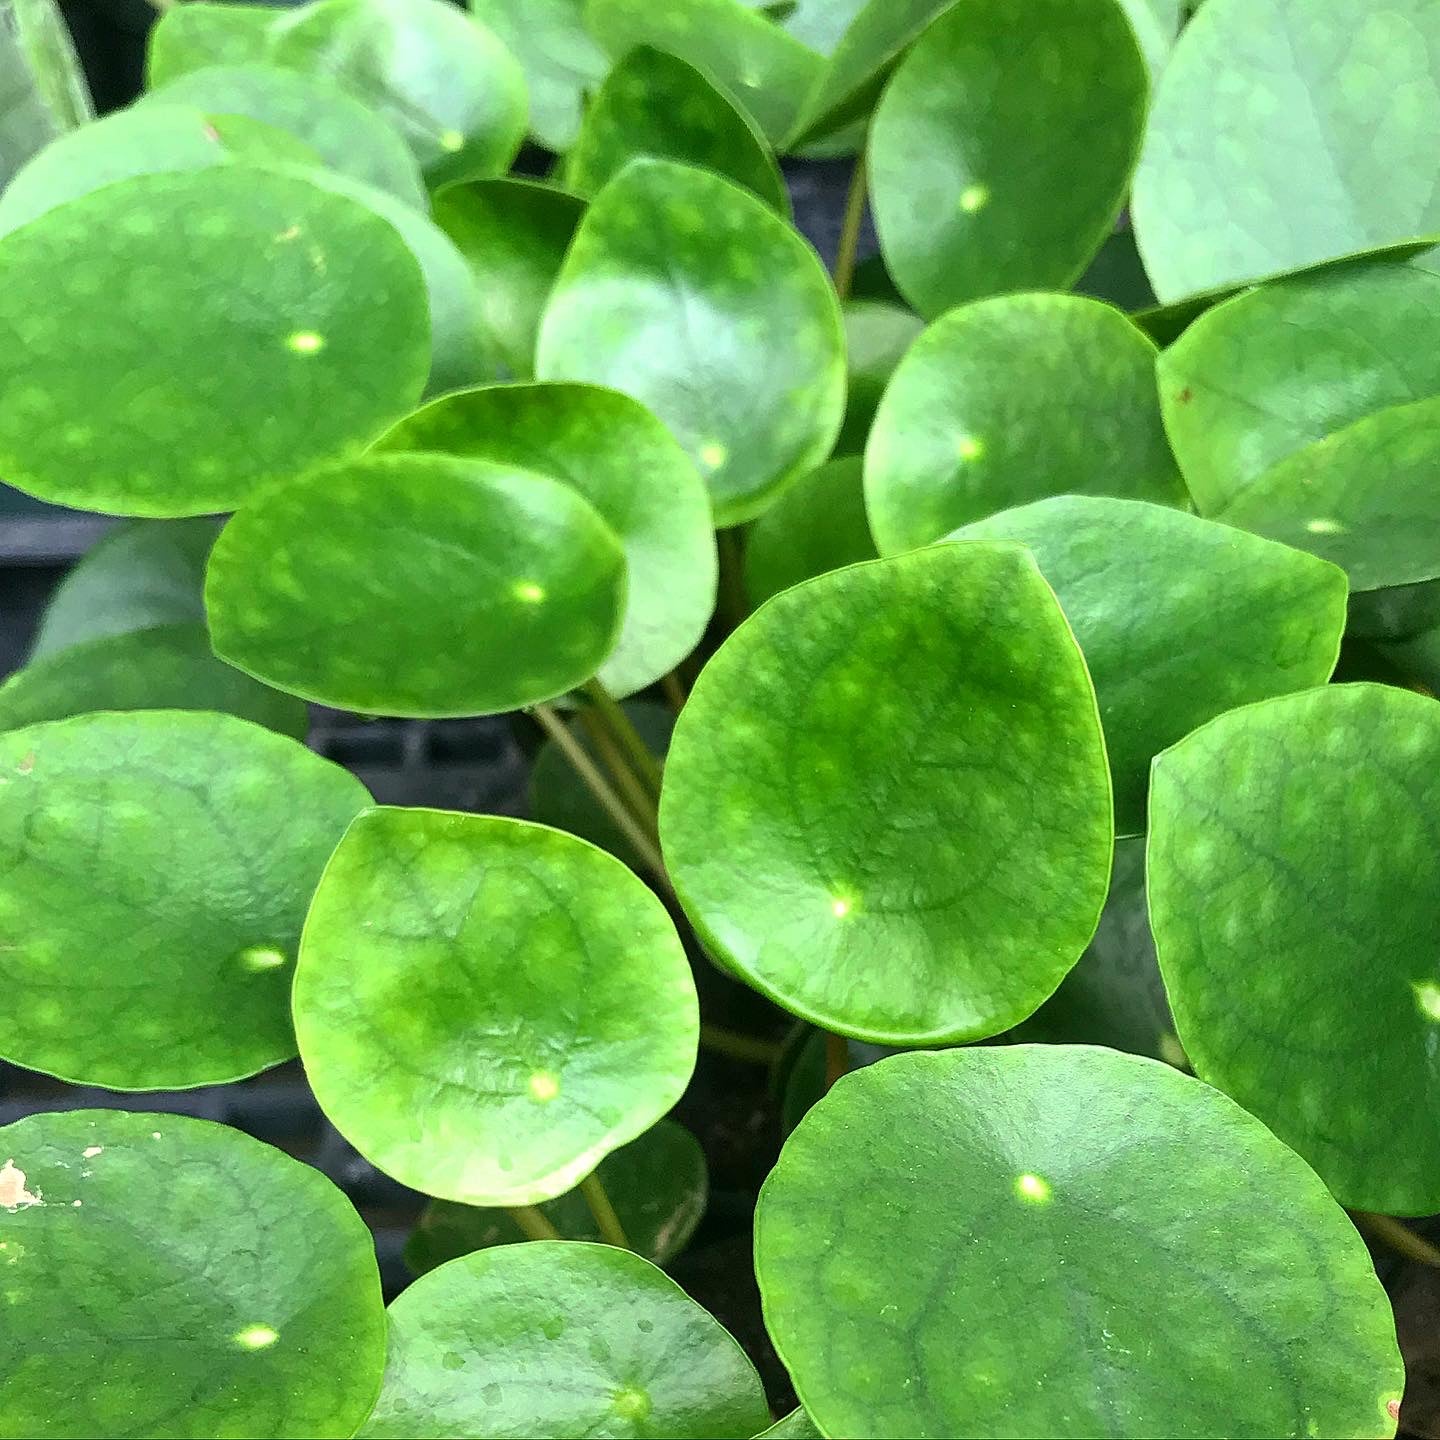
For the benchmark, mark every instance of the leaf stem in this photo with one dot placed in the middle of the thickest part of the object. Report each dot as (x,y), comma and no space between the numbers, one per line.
(1400,1238)
(636,796)
(674,690)
(733,606)
(532,1222)
(617,722)
(737,1046)
(612,1232)
(837,1058)
(850,230)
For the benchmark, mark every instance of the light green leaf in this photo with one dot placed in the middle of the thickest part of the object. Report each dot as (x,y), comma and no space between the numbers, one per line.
(820,24)
(154,873)
(135,1237)
(1010,400)
(656,104)
(617,456)
(1133,1211)
(562,63)
(762,68)
(657,1184)
(42,89)
(478,1346)
(201,33)
(418,585)
(1156,24)
(688,293)
(877,335)
(487,1008)
(1179,619)
(446,83)
(999,166)
(907,903)
(292,332)
(169,667)
(1299,830)
(1289,132)
(513,235)
(816,526)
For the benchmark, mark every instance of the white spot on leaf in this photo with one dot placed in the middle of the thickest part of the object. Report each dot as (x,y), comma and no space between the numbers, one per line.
(257,1337)
(1032,1188)
(13,1194)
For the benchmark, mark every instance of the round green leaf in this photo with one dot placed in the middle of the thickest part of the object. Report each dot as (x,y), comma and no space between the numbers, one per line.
(816,526)
(169,667)
(622,460)
(1002,166)
(688,293)
(561,1339)
(820,24)
(419,585)
(171,1277)
(1283,366)
(1011,400)
(655,104)
(745,54)
(1156,24)
(154,872)
(797,1425)
(1150,1233)
(349,138)
(151,140)
(877,335)
(657,1184)
(1289,132)
(142,574)
(914,900)
(513,235)
(293,331)
(201,33)
(1179,619)
(514,1005)
(445,83)
(1299,830)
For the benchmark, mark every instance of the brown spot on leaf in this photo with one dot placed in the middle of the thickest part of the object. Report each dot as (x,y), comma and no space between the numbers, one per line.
(1392,1409)
(13,1194)
(1185,396)
(27,764)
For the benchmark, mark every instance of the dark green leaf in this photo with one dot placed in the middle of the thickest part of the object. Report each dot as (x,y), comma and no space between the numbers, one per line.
(849,814)
(877,335)
(186,1281)
(688,293)
(561,1339)
(513,1005)
(797,1425)
(1064,1241)
(154,873)
(42,88)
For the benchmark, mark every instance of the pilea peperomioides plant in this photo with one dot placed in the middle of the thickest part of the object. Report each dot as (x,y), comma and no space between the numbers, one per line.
(939,647)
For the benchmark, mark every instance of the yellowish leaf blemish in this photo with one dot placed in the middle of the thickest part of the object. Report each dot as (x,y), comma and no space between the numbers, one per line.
(261,957)
(1321,526)
(306,342)
(967,447)
(452,140)
(543,1086)
(256,1337)
(13,1194)
(529,592)
(713,455)
(1427,997)
(974,197)
(1032,1188)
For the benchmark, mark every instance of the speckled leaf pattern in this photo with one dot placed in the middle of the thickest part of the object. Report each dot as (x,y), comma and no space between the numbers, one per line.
(294,331)
(1288,132)
(1300,830)
(155,868)
(923,896)
(657,1184)
(1179,619)
(1286,365)
(1010,400)
(476,1346)
(201,33)
(420,585)
(514,1005)
(655,104)
(1133,1211)
(612,452)
(688,293)
(130,1237)
(1002,149)
(513,235)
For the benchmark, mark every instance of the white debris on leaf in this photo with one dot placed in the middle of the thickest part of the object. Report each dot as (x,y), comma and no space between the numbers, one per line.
(13,1194)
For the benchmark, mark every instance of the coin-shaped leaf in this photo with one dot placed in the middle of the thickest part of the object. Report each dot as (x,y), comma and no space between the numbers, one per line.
(1285,133)
(132,1237)
(293,331)
(487,1008)
(1149,1229)
(1010,400)
(849,811)
(1179,619)
(420,585)
(623,461)
(168,667)
(513,235)
(1001,166)
(1286,365)
(655,104)
(690,294)
(1300,830)
(155,868)
(559,1338)
(657,1184)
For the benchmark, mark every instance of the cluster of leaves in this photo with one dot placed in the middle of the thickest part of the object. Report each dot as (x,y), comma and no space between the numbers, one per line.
(1021,617)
